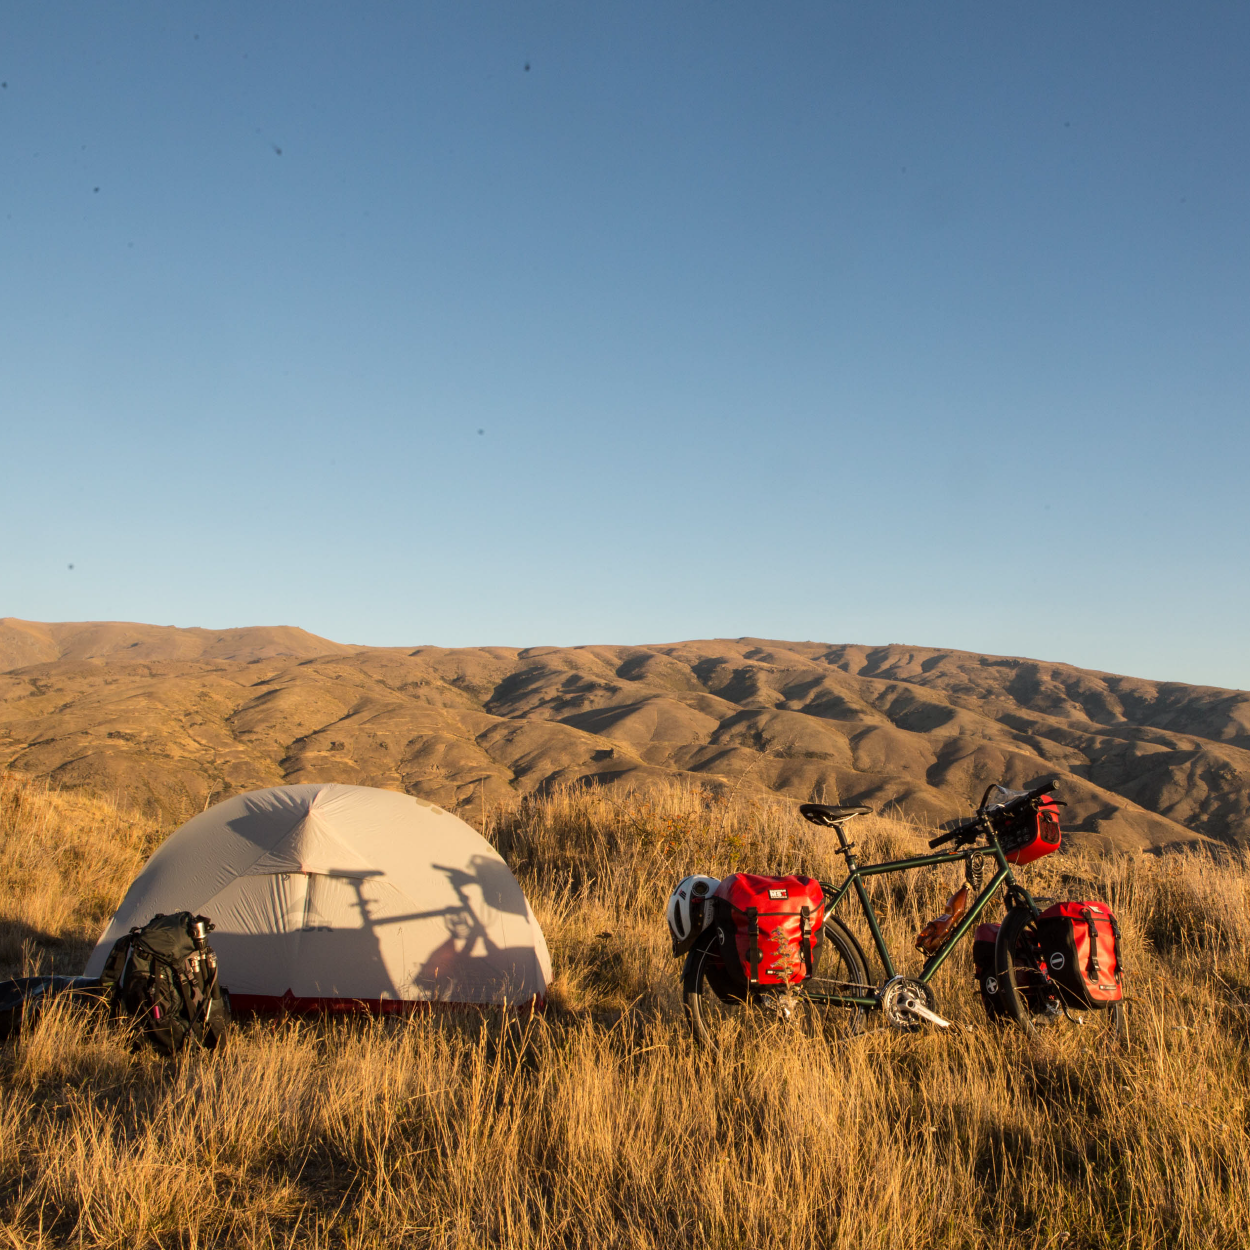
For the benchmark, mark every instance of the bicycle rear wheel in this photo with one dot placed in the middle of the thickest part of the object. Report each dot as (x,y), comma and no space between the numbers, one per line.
(1026,997)
(719,1014)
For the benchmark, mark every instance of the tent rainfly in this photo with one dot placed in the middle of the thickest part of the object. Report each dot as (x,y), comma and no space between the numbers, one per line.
(344,898)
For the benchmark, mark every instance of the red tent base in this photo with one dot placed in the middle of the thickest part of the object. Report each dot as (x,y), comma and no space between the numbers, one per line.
(243,1005)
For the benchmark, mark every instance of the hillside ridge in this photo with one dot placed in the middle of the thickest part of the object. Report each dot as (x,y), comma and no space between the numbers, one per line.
(170,718)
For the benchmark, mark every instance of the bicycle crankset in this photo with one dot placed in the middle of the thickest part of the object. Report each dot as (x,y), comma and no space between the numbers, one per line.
(906,1004)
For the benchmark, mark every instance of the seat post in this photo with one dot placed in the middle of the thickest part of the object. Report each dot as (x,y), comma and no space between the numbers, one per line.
(848,848)
(830,816)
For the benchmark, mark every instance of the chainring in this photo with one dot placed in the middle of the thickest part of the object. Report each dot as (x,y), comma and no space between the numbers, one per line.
(895,997)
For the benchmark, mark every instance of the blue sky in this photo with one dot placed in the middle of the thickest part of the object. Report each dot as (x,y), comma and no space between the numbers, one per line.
(899,322)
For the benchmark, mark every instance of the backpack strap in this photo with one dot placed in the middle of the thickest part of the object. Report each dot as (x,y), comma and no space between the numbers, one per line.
(197,1015)
(210,989)
(805,945)
(116,962)
(125,971)
(1119,946)
(184,992)
(1088,917)
(754,954)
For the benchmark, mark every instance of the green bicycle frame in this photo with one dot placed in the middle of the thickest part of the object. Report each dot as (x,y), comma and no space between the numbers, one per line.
(855,881)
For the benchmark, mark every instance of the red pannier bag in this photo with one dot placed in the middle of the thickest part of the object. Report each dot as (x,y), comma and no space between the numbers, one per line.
(1081,947)
(1032,834)
(984,943)
(772,925)
(1030,982)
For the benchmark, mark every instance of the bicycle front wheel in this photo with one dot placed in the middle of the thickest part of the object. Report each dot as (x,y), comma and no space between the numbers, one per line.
(720,1013)
(1023,992)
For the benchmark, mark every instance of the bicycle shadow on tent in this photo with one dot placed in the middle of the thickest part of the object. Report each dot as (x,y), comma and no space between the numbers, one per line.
(469,962)
(310,936)
(339,940)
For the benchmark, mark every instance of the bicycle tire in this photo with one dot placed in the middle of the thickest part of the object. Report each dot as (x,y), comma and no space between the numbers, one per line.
(715,1018)
(1022,993)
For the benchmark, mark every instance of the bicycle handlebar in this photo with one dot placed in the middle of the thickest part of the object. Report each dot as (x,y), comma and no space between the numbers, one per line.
(970,831)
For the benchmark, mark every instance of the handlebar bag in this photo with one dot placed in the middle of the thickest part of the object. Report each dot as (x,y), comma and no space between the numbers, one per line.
(1031,832)
(769,928)
(1081,946)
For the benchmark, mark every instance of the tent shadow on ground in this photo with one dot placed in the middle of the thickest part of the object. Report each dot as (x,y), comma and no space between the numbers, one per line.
(20,942)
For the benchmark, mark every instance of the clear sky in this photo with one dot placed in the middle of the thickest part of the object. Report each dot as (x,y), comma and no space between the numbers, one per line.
(469,323)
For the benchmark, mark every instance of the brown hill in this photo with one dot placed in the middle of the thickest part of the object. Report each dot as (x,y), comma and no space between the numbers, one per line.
(171,717)
(32,642)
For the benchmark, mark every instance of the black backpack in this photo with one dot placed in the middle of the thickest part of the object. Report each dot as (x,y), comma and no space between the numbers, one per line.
(164,976)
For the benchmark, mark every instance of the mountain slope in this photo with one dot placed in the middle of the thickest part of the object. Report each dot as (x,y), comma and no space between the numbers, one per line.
(170,718)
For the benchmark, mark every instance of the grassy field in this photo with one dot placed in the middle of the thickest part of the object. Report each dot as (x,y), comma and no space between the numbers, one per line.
(597,1125)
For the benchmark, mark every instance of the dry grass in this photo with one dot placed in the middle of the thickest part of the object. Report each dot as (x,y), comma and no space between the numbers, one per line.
(65,861)
(597,1125)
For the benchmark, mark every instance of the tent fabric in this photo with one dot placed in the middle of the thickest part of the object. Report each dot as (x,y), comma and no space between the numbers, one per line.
(336,897)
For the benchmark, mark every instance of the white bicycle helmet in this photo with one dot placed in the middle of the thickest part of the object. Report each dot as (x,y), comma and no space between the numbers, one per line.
(688,913)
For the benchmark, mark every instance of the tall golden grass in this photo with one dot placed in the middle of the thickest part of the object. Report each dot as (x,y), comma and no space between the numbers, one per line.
(597,1124)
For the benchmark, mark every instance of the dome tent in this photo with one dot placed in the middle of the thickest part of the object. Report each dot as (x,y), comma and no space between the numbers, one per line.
(344,898)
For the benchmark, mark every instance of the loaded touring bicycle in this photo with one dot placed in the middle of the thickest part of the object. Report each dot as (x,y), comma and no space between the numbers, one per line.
(764,952)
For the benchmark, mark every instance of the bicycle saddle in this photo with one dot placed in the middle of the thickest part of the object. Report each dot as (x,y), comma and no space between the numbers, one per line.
(820,814)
